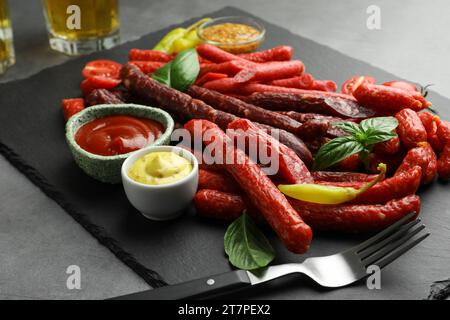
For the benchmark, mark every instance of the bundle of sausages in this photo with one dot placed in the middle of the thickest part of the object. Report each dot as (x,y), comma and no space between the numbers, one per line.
(234,187)
(266,90)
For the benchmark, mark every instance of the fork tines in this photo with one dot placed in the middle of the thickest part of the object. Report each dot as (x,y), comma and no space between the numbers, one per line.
(392,242)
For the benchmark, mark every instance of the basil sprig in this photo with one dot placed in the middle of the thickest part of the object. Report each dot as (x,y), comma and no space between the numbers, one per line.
(360,139)
(246,246)
(180,73)
(163,74)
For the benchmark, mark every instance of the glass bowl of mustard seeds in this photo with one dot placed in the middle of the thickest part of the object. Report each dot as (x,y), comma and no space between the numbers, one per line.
(233,34)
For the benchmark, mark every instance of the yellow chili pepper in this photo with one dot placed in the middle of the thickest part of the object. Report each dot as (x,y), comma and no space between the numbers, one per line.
(197,24)
(190,40)
(166,44)
(192,35)
(323,194)
(183,44)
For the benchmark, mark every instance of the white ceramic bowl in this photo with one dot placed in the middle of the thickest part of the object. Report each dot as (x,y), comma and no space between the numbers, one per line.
(160,202)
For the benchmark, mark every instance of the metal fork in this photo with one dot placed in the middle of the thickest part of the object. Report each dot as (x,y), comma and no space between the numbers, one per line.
(337,270)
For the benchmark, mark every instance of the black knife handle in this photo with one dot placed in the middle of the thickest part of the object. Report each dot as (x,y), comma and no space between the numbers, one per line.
(195,289)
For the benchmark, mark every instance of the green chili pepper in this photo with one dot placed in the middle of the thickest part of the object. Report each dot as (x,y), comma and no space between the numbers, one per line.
(323,194)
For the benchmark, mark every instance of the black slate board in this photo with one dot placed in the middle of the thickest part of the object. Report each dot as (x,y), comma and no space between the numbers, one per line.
(32,138)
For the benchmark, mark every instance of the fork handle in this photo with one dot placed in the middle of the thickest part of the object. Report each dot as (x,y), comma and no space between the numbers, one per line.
(205,287)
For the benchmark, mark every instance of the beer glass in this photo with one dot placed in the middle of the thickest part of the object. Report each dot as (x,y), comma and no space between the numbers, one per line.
(82,26)
(6,41)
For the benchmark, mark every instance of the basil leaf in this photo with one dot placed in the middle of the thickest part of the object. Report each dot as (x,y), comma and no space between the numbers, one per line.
(184,70)
(246,246)
(180,73)
(336,150)
(361,139)
(379,129)
(348,126)
(378,136)
(163,74)
(381,124)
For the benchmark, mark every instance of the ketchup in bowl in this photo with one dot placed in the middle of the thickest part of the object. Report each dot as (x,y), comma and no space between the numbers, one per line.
(117,134)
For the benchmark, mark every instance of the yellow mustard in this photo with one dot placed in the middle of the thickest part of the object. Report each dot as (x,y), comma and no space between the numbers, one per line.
(158,168)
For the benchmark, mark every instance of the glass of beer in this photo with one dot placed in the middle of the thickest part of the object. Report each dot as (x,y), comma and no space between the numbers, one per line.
(6,40)
(82,26)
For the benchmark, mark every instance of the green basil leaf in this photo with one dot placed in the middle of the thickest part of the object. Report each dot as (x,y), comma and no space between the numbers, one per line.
(336,150)
(378,136)
(184,70)
(246,246)
(348,126)
(180,73)
(381,124)
(163,74)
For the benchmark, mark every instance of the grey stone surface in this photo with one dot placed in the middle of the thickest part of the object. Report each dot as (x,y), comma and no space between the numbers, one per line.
(38,240)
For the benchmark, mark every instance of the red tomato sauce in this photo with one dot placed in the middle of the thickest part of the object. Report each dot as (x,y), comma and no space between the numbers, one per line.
(117,134)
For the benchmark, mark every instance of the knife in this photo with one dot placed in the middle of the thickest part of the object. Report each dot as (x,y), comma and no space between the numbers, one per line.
(214,285)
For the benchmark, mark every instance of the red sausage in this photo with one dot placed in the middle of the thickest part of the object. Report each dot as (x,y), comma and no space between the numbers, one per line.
(219,205)
(423,156)
(217,55)
(243,109)
(410,128)
(313,129)
(230,68)
(292,142)
(392,161)
(269,71)
(216,180)
(391,146)
(226,86)
(443,165)
(324,85)
(224,206)
(255,88)
(349,218)
(305,81)
(220,181)
(303,117)
(357,218)
(210,76)
(388,100)
(351,163)
(204,163)
(342,176)
(332,131)
(443,130)
(330,103)
(280,53)
(102,96)
(148,55)
(263,194)
(399,186)
(148,66)
(182,105)
(291,168)
(263,71)
(430,122)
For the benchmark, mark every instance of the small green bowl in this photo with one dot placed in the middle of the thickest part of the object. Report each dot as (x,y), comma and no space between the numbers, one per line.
(107,168)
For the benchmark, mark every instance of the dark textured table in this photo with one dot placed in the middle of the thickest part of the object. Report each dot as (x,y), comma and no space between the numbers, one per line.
(38,240)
